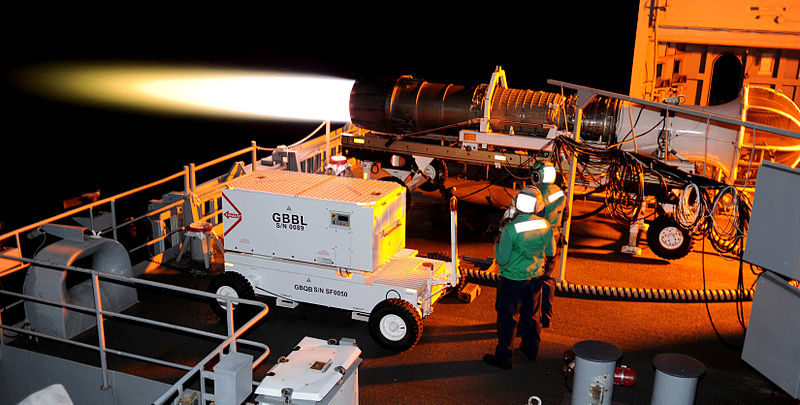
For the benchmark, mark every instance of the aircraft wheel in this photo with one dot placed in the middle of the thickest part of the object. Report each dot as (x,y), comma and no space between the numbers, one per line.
(667,239)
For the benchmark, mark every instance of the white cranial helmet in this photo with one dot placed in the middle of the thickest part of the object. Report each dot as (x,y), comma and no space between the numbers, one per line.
(529,200)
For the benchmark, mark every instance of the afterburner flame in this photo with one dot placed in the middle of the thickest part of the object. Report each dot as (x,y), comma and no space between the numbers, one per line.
(198,91)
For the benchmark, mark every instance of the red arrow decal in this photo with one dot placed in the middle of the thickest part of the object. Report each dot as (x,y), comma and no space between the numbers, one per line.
(229,215)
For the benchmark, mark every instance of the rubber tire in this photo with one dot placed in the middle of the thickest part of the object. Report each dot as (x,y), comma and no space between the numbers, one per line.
(235,281)
(437,184)
(667,224)
(405,311)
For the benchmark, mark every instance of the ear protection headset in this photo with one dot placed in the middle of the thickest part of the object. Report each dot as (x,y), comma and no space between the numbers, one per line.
(543,172)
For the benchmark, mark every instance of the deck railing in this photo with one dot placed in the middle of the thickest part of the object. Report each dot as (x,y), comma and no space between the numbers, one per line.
(312,154)
(228,341)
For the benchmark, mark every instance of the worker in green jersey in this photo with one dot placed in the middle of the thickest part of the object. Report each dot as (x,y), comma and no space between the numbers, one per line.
(522,248)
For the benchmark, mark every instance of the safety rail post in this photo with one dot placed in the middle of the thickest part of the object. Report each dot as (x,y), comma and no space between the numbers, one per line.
(186,182)
(101,334)
(2,334)
(229,319)
(178,386)
(570,194)
(192,178)
(327,144)
(453,234)
(91,219)
(114,219)
(202,385)
(254,154)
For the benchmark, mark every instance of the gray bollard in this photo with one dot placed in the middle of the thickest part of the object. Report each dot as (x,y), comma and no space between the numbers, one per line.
(676,379)
(593,381)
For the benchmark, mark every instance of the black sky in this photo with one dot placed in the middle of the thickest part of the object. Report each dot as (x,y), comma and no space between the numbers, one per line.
(54,150)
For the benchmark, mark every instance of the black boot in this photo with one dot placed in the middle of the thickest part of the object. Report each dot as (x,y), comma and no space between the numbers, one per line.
(491,360)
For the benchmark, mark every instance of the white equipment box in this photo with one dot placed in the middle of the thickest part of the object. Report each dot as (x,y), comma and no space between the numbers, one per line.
(333,241)
(317,372)
(350,223)
(771,345)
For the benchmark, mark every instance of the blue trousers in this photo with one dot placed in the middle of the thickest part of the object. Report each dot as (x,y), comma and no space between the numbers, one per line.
(518,304)
(548,289)
(549,285)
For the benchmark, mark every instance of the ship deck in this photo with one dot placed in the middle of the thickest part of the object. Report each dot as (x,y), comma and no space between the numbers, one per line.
(446,366)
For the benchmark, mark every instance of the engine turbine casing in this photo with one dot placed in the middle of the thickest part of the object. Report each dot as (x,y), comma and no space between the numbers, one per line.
(409,105)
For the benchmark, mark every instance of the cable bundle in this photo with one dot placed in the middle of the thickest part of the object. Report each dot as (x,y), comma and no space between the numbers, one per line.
(705,208)
(626,195)
(618,172)
(692,209)
(728,220)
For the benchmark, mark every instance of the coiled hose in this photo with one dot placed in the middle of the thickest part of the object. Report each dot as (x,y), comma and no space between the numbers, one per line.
(624,293)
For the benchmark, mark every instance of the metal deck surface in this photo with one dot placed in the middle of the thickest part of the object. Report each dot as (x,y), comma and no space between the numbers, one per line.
(445,367)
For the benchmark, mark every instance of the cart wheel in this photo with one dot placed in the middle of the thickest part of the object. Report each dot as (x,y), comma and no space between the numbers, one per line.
(667,239)
(229,284)
(395,324)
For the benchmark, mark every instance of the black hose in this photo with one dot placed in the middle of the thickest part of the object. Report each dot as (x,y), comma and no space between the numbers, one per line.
(628,294)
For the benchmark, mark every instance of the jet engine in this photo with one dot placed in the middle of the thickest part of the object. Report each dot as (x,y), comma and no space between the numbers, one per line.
(408,106)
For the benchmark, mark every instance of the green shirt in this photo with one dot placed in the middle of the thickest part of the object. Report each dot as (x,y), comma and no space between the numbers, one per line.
(554,209)
(523,246)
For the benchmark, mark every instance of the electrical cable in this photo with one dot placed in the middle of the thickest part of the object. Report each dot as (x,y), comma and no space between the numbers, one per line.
(625,140)
(723,219)
(708,311)
(691,208)
(740,287)
(591,213)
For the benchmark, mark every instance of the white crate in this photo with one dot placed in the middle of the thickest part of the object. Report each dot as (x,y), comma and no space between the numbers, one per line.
(345,222)
(771,344)
(316,372)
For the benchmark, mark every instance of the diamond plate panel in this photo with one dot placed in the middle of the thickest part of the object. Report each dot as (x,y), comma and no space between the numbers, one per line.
(318,186)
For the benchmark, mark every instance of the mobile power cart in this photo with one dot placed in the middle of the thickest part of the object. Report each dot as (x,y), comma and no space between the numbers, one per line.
(333,241)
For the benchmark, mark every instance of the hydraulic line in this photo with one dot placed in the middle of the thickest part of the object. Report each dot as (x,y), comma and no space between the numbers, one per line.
(628,294)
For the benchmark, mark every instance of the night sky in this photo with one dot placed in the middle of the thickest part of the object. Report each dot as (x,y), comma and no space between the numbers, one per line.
(54,150)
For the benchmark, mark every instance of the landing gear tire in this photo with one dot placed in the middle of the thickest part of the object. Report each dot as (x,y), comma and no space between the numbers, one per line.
(229,284)
(667,239)
(395,324)
(437,174)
